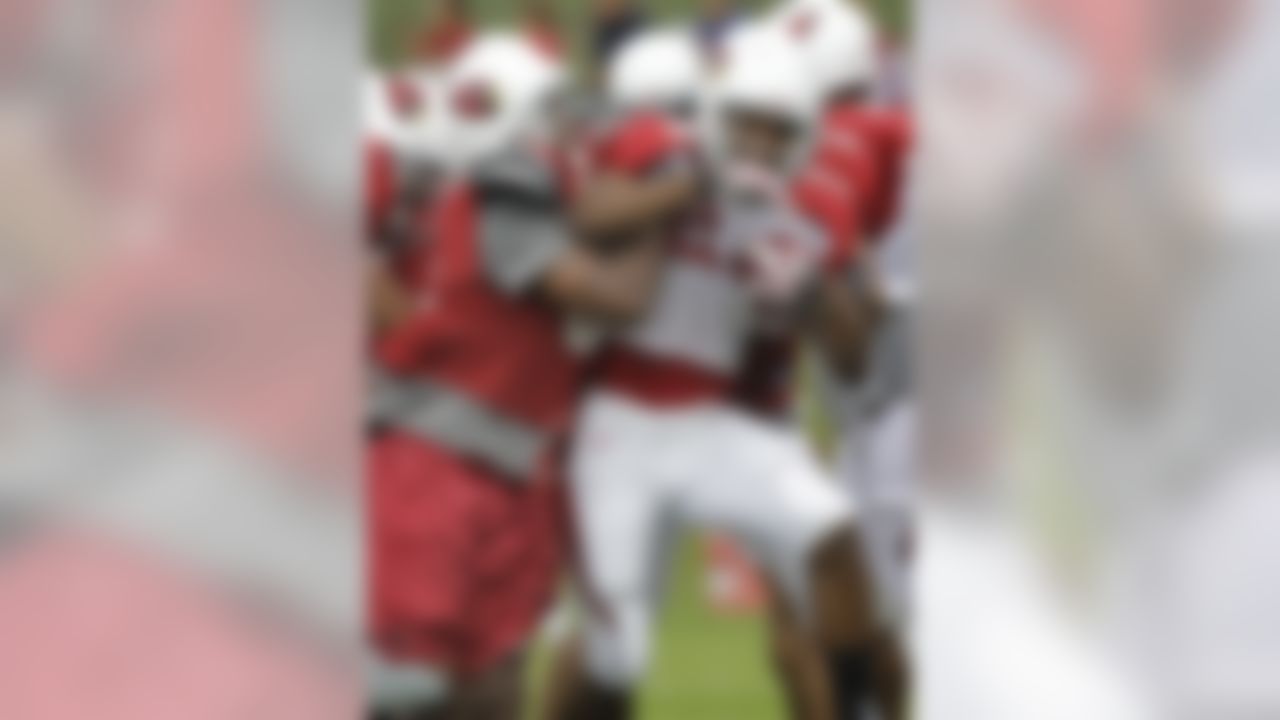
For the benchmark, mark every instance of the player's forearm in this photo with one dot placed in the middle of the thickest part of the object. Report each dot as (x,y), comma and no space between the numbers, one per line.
(613,206)
(615,289)
(845,321)
(390,303)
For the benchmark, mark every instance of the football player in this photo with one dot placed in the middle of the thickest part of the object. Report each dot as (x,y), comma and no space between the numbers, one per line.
(477,388)
(661,443)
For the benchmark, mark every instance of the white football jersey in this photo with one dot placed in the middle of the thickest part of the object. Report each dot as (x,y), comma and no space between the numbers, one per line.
(704,312)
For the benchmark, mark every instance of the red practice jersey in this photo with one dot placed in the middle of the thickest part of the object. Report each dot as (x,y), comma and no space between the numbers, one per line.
(484,367)
(868,149)
(381,186)
(639,145)
(698,342)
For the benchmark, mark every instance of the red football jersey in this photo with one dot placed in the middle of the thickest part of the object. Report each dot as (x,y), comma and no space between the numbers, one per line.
(892,134)
(868,148)
(488,359)
(380,186)
(824,199)
(641,144)
(844,151)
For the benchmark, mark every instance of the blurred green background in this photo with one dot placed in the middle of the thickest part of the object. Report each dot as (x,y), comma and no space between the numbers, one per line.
(707,666)
(394,24)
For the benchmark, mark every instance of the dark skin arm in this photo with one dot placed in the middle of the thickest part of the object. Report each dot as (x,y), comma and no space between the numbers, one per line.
(613,205)
(611,274)
(845,318)
(390,303)
(613,287)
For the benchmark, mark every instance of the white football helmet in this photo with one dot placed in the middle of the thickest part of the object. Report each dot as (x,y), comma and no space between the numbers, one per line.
(500,94)
(406,112)
(425,134)
(760,70)
(837,41)
(662,68)
(380,120)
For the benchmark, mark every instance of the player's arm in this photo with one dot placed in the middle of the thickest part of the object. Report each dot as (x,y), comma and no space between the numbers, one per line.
(848,304)
(390,302)
(647,172)
(622,221)
(614,205)
(848,309)
(612,287)
(530,245)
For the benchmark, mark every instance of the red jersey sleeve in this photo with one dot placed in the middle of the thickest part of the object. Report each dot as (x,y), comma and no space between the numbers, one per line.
(844,151)
(825,200)
(892,135)
(641,144)
(379,187)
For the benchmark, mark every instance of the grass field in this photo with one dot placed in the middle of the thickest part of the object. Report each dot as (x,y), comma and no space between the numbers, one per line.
(707,666)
